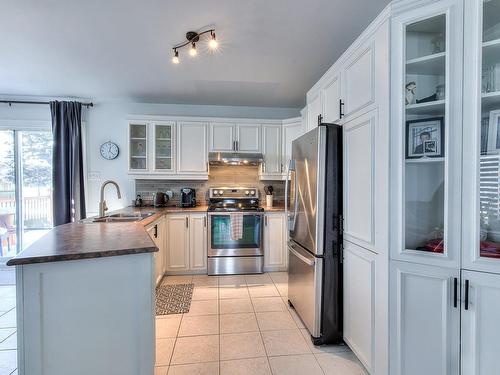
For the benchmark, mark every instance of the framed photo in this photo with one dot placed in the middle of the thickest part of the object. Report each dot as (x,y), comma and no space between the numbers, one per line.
(425,138)
(494,132)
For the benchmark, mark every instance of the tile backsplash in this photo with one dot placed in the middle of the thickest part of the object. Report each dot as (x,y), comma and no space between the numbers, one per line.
(245,176)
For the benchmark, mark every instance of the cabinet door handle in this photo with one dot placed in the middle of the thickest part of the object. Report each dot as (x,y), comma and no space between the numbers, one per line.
(155,231)
(320,119)
(455,292)
(237,145)
(205,221)
(234,145)
(341,108)
(187,222)
(265,221)
(466,302)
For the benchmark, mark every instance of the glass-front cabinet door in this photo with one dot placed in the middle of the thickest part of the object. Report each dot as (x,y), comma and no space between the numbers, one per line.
(138,147)
(481,201)
(163,142)
(426,121)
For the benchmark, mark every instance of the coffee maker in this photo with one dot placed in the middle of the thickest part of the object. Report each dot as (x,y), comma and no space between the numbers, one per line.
(188,197)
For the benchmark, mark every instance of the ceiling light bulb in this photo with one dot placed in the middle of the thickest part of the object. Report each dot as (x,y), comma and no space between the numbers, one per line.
(192,50)
(213,41)
(175,59)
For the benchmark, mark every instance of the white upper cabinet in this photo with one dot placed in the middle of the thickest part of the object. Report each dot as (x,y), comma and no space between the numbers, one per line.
(331,99)
(222,137)
(229,137)
(481,143)
(314,109)
(272,167)
(138,147)
(292,129)
(358,81)
(248,137)
(192,154)
(163,147)
(427,134)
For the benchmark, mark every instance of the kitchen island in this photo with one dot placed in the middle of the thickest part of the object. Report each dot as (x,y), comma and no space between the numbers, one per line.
(85,301)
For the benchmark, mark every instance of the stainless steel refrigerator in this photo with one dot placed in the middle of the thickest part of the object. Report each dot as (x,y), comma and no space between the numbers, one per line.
(315,232)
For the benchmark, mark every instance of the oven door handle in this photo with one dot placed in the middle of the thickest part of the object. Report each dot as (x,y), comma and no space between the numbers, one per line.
(255,213)
(309,262)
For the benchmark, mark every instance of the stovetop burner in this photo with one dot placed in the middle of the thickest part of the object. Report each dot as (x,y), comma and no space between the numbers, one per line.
(228,199)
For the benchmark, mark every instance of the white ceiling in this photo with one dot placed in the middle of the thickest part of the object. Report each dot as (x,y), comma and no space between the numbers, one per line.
(272,51)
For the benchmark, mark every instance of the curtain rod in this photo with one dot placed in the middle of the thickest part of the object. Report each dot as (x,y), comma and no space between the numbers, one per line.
(10,102)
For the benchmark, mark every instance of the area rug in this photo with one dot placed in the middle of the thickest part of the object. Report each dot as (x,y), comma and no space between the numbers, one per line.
(173,298)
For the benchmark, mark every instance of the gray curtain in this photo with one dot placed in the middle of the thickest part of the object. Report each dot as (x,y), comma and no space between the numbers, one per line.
(67,162)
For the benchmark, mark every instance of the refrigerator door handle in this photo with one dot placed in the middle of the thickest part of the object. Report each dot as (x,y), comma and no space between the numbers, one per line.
(309,262)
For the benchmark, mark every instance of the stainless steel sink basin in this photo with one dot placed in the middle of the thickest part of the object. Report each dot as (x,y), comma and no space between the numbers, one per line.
(119,218)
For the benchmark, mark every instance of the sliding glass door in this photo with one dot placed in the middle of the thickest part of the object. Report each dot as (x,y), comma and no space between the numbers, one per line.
(25,188)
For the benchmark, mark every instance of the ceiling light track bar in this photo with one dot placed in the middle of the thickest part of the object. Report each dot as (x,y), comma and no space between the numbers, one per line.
(10,102)
(191,37)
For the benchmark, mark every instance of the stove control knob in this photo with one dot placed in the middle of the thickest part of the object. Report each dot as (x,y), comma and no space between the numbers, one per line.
(247,192)
(221,192)
(215,192)
(252,192)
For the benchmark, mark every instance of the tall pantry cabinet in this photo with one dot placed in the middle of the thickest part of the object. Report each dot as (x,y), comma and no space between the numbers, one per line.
(445,185)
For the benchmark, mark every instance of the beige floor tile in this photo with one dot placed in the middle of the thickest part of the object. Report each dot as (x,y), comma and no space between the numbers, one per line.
(196,349)
(233,292)
(205,280)
(263,291)
(322,348)
(282,289)
(236,323)
(199,325)
(178,279)
(161,370)
(262,279)
(250,366)
(7,304)
(263,304)
(208,307)
(167,325)
(10,343)
(233,306)
(295,365)
(275,320)
(164,348)
(241,345)
(279,277)
(209,368)
(284,343)
(296,319)
(203,293)
(234,280)
(344,363)
(8,319)
(8,361)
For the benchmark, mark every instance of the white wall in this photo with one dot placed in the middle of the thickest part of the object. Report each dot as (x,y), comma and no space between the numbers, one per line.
(107,120)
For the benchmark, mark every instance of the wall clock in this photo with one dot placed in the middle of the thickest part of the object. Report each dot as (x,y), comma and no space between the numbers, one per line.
(109,150)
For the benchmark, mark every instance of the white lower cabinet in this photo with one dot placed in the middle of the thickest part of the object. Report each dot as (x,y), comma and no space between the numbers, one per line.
(198,241)
(425,319)
(359,299)
(186,243)
(275,249)
(480,323)
(156,231)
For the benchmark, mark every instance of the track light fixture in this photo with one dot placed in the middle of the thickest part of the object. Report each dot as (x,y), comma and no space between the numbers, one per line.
(193,37)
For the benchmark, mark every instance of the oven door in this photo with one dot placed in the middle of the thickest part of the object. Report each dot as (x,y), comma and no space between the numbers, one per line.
(221,244)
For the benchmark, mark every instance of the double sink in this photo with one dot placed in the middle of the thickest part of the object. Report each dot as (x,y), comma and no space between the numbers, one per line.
(119,218)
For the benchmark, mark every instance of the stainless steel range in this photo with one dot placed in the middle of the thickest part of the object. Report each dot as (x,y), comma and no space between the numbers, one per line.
(235,231)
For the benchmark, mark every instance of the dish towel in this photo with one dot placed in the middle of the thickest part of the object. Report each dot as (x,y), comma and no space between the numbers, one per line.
(236,226)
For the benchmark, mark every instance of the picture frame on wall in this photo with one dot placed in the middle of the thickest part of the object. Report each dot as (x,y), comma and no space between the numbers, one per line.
(425,138)
(494,132)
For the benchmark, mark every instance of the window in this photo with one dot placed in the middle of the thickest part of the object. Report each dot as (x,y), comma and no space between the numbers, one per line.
(25,187)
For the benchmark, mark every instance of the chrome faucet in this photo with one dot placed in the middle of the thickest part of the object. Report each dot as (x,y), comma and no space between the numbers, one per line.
(102,204)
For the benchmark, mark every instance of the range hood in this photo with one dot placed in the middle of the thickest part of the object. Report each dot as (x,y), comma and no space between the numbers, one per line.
(234,158)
